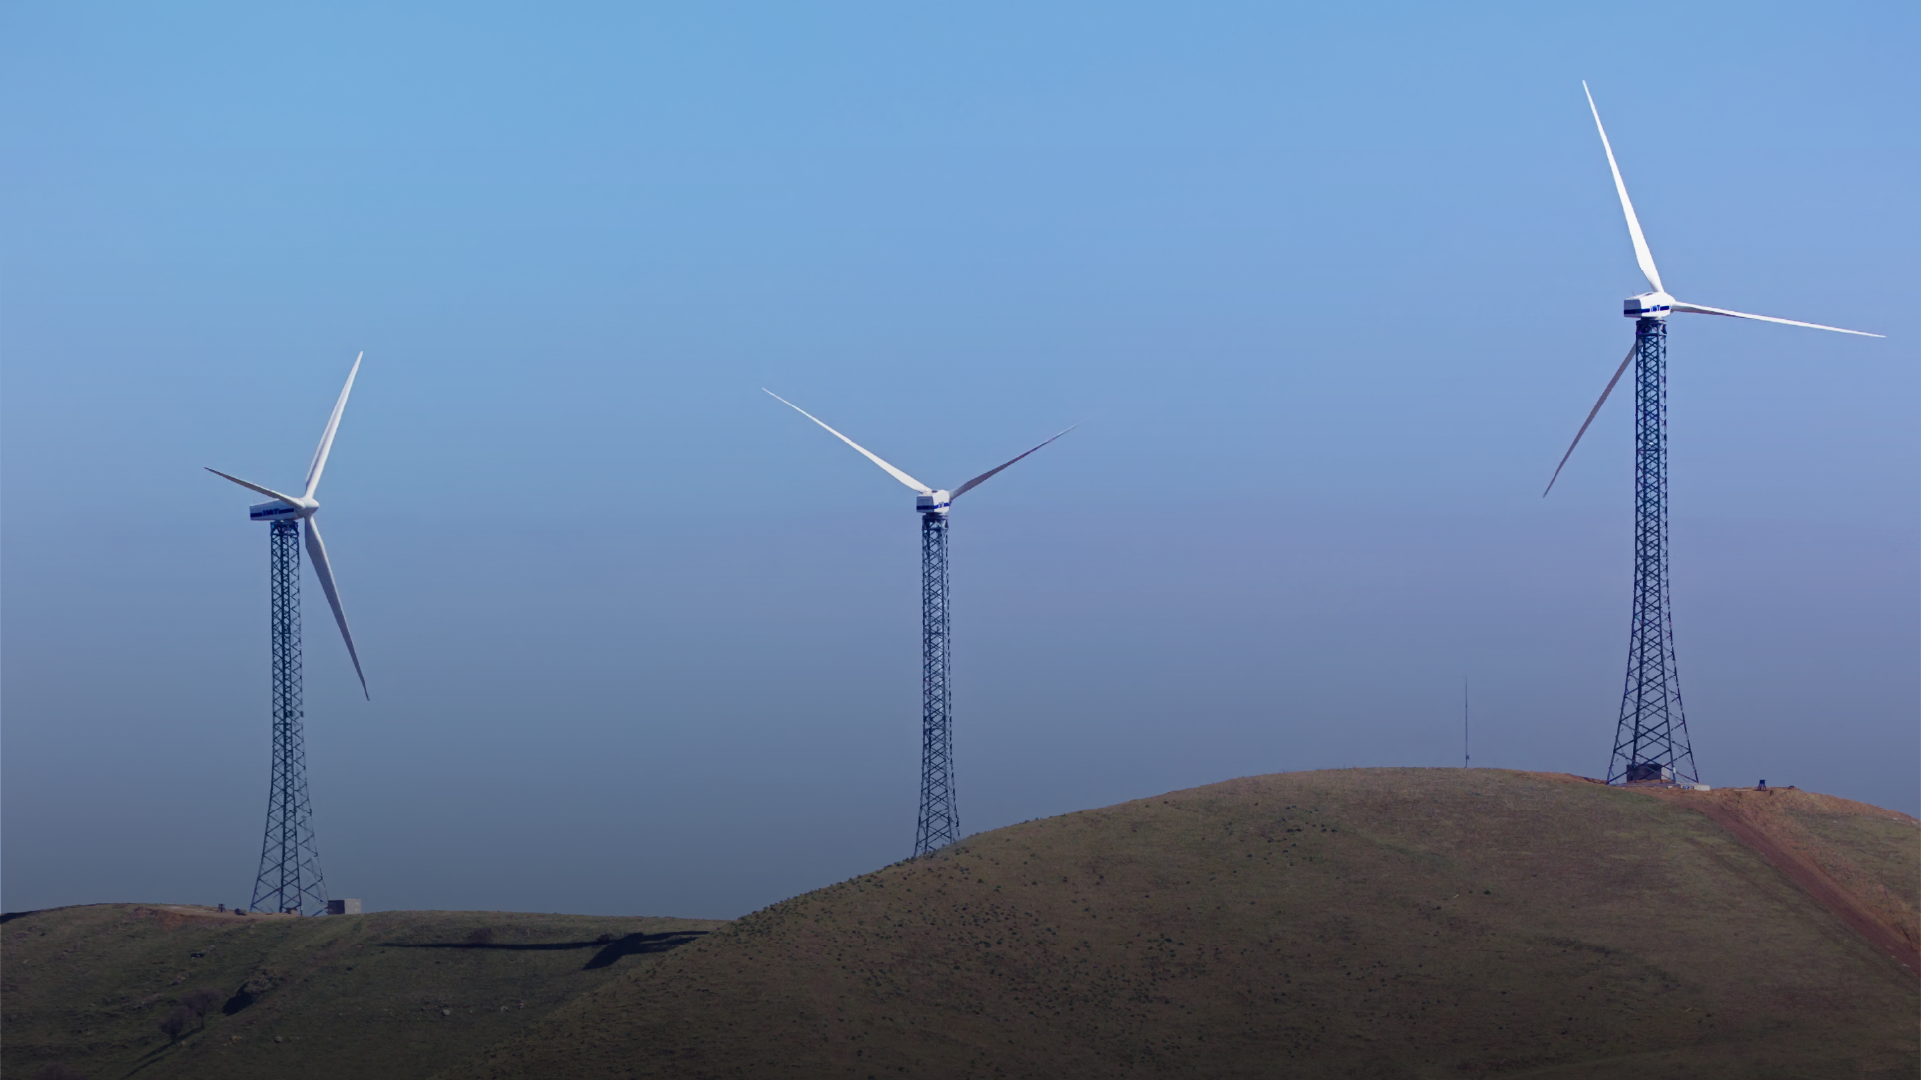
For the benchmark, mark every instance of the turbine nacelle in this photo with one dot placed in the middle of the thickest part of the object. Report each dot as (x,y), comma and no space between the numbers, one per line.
(1648,305)
(933,504)
(276,510)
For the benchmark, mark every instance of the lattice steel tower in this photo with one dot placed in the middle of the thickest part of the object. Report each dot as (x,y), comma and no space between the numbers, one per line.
(289,878)
(939,822)
(1651,740)
(1651,736)
(939,813)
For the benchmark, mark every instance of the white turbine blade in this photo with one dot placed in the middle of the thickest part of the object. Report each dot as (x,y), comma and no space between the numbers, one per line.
(975,482)
(317,554)
(268,492)
(327,437)
(891,471)
(1590,417)
(1697,309)
(1641,253)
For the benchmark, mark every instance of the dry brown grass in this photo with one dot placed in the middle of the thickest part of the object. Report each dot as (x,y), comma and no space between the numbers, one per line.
(391,994)
(1857,861)
(1369,923)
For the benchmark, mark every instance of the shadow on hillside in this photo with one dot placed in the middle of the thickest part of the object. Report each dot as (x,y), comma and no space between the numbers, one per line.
(610,951)
(633,944)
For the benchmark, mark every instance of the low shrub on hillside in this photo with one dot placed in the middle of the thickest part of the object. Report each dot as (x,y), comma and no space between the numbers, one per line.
(176,1022)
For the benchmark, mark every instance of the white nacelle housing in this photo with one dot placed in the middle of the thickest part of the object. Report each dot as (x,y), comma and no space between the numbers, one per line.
(1648,305)
(273,511)
(936,503)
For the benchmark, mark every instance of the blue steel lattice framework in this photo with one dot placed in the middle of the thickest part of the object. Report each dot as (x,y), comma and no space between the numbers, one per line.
(939,816)
(289,878)
(1651,741)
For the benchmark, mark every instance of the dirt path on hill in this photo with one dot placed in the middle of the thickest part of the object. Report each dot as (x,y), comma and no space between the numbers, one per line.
(1788,849)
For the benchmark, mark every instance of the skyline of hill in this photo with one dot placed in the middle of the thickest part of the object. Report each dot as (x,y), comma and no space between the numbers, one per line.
(1380,922)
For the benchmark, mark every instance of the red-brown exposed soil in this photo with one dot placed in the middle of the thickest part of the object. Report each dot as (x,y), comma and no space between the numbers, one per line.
(1768,821)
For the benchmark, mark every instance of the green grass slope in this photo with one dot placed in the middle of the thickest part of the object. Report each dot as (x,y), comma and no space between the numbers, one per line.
(394,994)
(1367,923)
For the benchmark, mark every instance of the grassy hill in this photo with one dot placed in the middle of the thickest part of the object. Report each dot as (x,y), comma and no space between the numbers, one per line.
(1365,923)
(395,994)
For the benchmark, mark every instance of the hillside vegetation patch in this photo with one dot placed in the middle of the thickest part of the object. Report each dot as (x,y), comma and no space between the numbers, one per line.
(181,991)
(1372,922)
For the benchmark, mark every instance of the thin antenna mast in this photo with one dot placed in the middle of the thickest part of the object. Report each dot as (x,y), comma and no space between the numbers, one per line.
(1465,756)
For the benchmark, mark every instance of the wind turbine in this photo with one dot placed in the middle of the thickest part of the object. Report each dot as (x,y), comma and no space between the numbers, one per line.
(1651,739)
(289,879)
(939,822)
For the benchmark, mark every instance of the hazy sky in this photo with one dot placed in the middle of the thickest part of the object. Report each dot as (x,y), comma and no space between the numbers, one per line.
(1330,286)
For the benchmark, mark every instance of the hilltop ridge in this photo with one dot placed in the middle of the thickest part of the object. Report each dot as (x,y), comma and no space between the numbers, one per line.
(1366,922)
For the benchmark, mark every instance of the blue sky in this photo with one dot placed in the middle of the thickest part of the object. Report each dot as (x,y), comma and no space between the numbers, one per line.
(1331,288)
